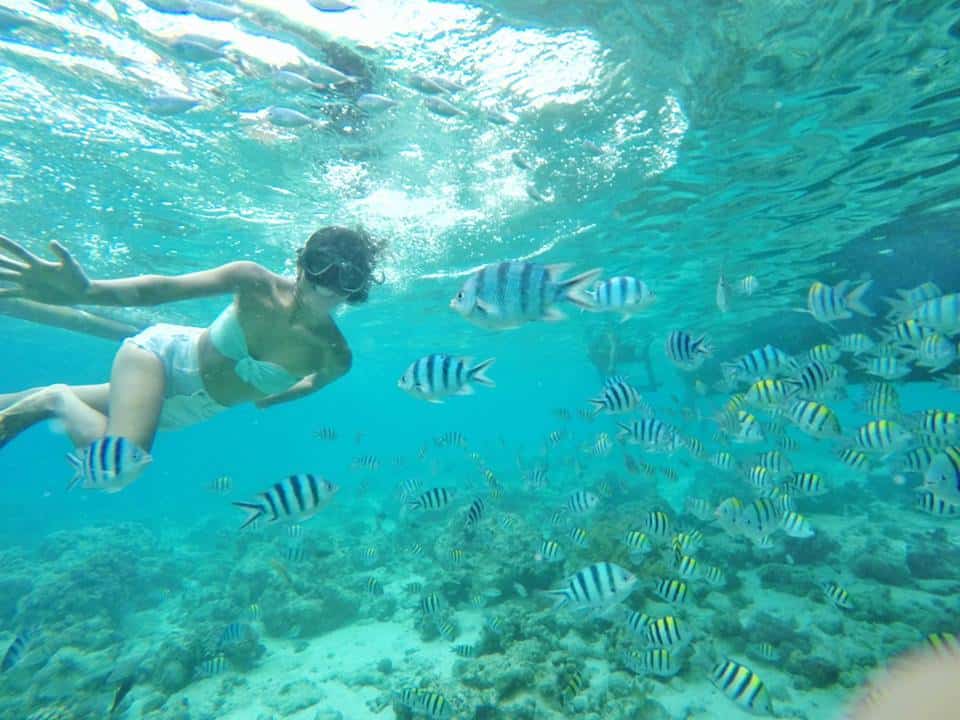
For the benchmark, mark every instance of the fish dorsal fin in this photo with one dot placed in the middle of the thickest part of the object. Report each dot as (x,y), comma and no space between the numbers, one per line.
(556,270)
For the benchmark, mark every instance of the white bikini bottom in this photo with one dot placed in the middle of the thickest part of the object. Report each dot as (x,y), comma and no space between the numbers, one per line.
(186,401)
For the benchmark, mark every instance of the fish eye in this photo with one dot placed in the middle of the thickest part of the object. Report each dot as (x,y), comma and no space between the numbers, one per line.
(460,295)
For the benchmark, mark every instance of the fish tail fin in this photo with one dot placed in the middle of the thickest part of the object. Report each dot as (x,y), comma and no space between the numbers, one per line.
(598,406)
(704,345)
(559,597)
(854,299)
(575,291)
(77,464)
(477,373)
(254,512)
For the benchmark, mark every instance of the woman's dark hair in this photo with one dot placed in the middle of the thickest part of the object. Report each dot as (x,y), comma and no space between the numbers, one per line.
(343,260)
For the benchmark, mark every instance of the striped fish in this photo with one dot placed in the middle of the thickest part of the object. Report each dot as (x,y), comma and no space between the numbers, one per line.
(886,367)
(938,427)
(474,513)
(940,313)
(944,644)
(655,661)
(431,604)
(672,591)
(624,294)
(699,508)
(581,502)
(549,551)
(657,524)
(936,353)
(213,666)
(648,432)
(666,632)
(766,361)
(741,684)
(807,484)
(433,499)
(943,475)
(836,595)
(108,464)
(881,400)
(431,704)
(686,566)
(686,351)
(814,418)
(856,343)
(295,499)
(759,518)
(688,542)
(507,294)
(769,393)
(578,536)
(829,303)
(234,634)
(464,651)
(854,459)
(931,504)
(815,379)
(19,646)
(796,525)
(917,460)
(882,436)
(638,544)
(445,628)
(596,586)
(437,376)
(714,576)
(637,621)
(618,397)
(908,300)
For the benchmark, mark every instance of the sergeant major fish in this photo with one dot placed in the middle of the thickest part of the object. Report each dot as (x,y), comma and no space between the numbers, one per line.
(508,294)
(295,499)
(623,294)
(437,376)
(108,464)
(596,586)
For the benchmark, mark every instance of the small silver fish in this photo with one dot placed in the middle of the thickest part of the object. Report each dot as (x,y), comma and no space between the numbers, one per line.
(373,103)
(442,107)
(723,294)
(164,103)
(215,11)
(288,117)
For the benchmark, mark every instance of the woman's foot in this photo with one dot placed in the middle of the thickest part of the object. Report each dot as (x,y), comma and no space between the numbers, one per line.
(27,412)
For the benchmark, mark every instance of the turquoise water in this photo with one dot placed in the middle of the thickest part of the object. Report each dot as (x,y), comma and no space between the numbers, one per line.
(673,142)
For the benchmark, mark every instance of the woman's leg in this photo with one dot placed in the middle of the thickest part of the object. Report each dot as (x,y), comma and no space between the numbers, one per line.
(81,409)
(137,385)
(128,406)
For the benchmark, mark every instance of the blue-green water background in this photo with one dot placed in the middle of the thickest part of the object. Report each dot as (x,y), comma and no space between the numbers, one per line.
(779,140)
(792,141)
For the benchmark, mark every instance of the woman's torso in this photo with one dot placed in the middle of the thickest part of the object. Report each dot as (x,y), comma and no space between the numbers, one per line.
(271,335)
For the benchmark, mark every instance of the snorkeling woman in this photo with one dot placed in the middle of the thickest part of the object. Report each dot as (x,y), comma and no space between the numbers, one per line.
(274,343)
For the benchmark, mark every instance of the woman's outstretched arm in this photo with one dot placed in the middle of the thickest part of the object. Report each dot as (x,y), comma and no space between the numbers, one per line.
(64,282)
(68,318)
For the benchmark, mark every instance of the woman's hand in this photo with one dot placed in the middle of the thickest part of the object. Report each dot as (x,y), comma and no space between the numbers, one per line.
(56,283)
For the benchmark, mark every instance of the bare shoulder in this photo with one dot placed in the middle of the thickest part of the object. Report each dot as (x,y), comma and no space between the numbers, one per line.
(252,277)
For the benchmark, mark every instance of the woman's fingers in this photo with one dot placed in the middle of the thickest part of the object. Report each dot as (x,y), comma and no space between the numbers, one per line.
(18,250)
(65,257)
(10,274)
(12,264)
(6,293)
